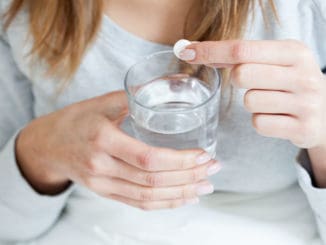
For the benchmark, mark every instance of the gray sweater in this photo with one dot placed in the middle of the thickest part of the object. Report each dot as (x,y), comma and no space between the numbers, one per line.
(253,165)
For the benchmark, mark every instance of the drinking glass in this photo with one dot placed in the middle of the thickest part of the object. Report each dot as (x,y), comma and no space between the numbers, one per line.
(172,103)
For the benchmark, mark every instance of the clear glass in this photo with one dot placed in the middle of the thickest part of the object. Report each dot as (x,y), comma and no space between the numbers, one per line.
(172,103)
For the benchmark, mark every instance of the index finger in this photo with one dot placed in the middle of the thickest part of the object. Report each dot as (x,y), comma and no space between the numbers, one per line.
(150,158)
(235,52)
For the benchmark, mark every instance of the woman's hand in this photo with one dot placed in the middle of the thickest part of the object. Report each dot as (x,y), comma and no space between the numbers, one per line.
(286,89)
(83,143)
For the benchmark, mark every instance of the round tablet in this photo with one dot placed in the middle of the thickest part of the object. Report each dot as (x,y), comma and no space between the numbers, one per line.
(179,46)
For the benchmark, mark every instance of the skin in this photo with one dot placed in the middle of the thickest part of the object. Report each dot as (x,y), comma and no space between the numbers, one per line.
(83,143)
(164,22)
(286,90)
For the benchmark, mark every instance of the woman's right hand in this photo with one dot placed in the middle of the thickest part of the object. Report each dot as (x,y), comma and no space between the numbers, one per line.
(83,143)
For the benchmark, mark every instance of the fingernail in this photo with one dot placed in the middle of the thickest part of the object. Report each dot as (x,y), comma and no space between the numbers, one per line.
(187,54)
(192,201)
(205,189)
(203,158)
(213,169)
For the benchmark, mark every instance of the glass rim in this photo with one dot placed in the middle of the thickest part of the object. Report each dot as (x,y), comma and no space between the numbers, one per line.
(131,97)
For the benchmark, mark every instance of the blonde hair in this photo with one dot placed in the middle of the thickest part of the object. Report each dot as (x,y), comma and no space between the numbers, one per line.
(62,30)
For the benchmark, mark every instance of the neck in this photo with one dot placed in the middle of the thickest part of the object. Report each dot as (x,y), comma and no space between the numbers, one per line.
(160,21)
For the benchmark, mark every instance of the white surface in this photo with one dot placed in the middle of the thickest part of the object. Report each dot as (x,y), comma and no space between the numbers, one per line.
(179,46)
(281,218)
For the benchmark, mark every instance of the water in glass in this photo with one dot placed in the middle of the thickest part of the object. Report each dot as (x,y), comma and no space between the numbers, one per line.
(171,115)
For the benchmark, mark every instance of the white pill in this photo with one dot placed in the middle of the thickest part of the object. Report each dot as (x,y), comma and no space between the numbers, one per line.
(179,46)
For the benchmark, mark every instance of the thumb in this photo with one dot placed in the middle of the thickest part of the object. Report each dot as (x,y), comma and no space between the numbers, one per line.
(114,105)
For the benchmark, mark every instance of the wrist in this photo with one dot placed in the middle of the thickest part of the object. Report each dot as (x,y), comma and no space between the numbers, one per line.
(317,157)
(38,174)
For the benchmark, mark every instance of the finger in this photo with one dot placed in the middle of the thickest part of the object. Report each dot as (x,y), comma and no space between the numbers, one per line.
(113,105)
(270,102)
(239,51)
(102,165)
(276,126)
(142,193)
(120,110)
(215,65)
(149,158)
(266,77)
(125,171)
(154,205)
(109,186)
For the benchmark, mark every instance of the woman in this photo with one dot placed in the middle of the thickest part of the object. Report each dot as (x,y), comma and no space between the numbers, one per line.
(62,148)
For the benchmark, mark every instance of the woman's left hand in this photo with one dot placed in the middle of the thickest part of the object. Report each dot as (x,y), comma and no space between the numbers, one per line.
(286,88)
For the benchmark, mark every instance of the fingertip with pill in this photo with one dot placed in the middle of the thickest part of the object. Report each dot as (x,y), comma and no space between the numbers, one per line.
(180,46)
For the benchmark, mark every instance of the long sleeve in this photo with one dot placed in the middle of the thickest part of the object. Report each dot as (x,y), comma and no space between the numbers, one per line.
(316,196)
(24,214)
